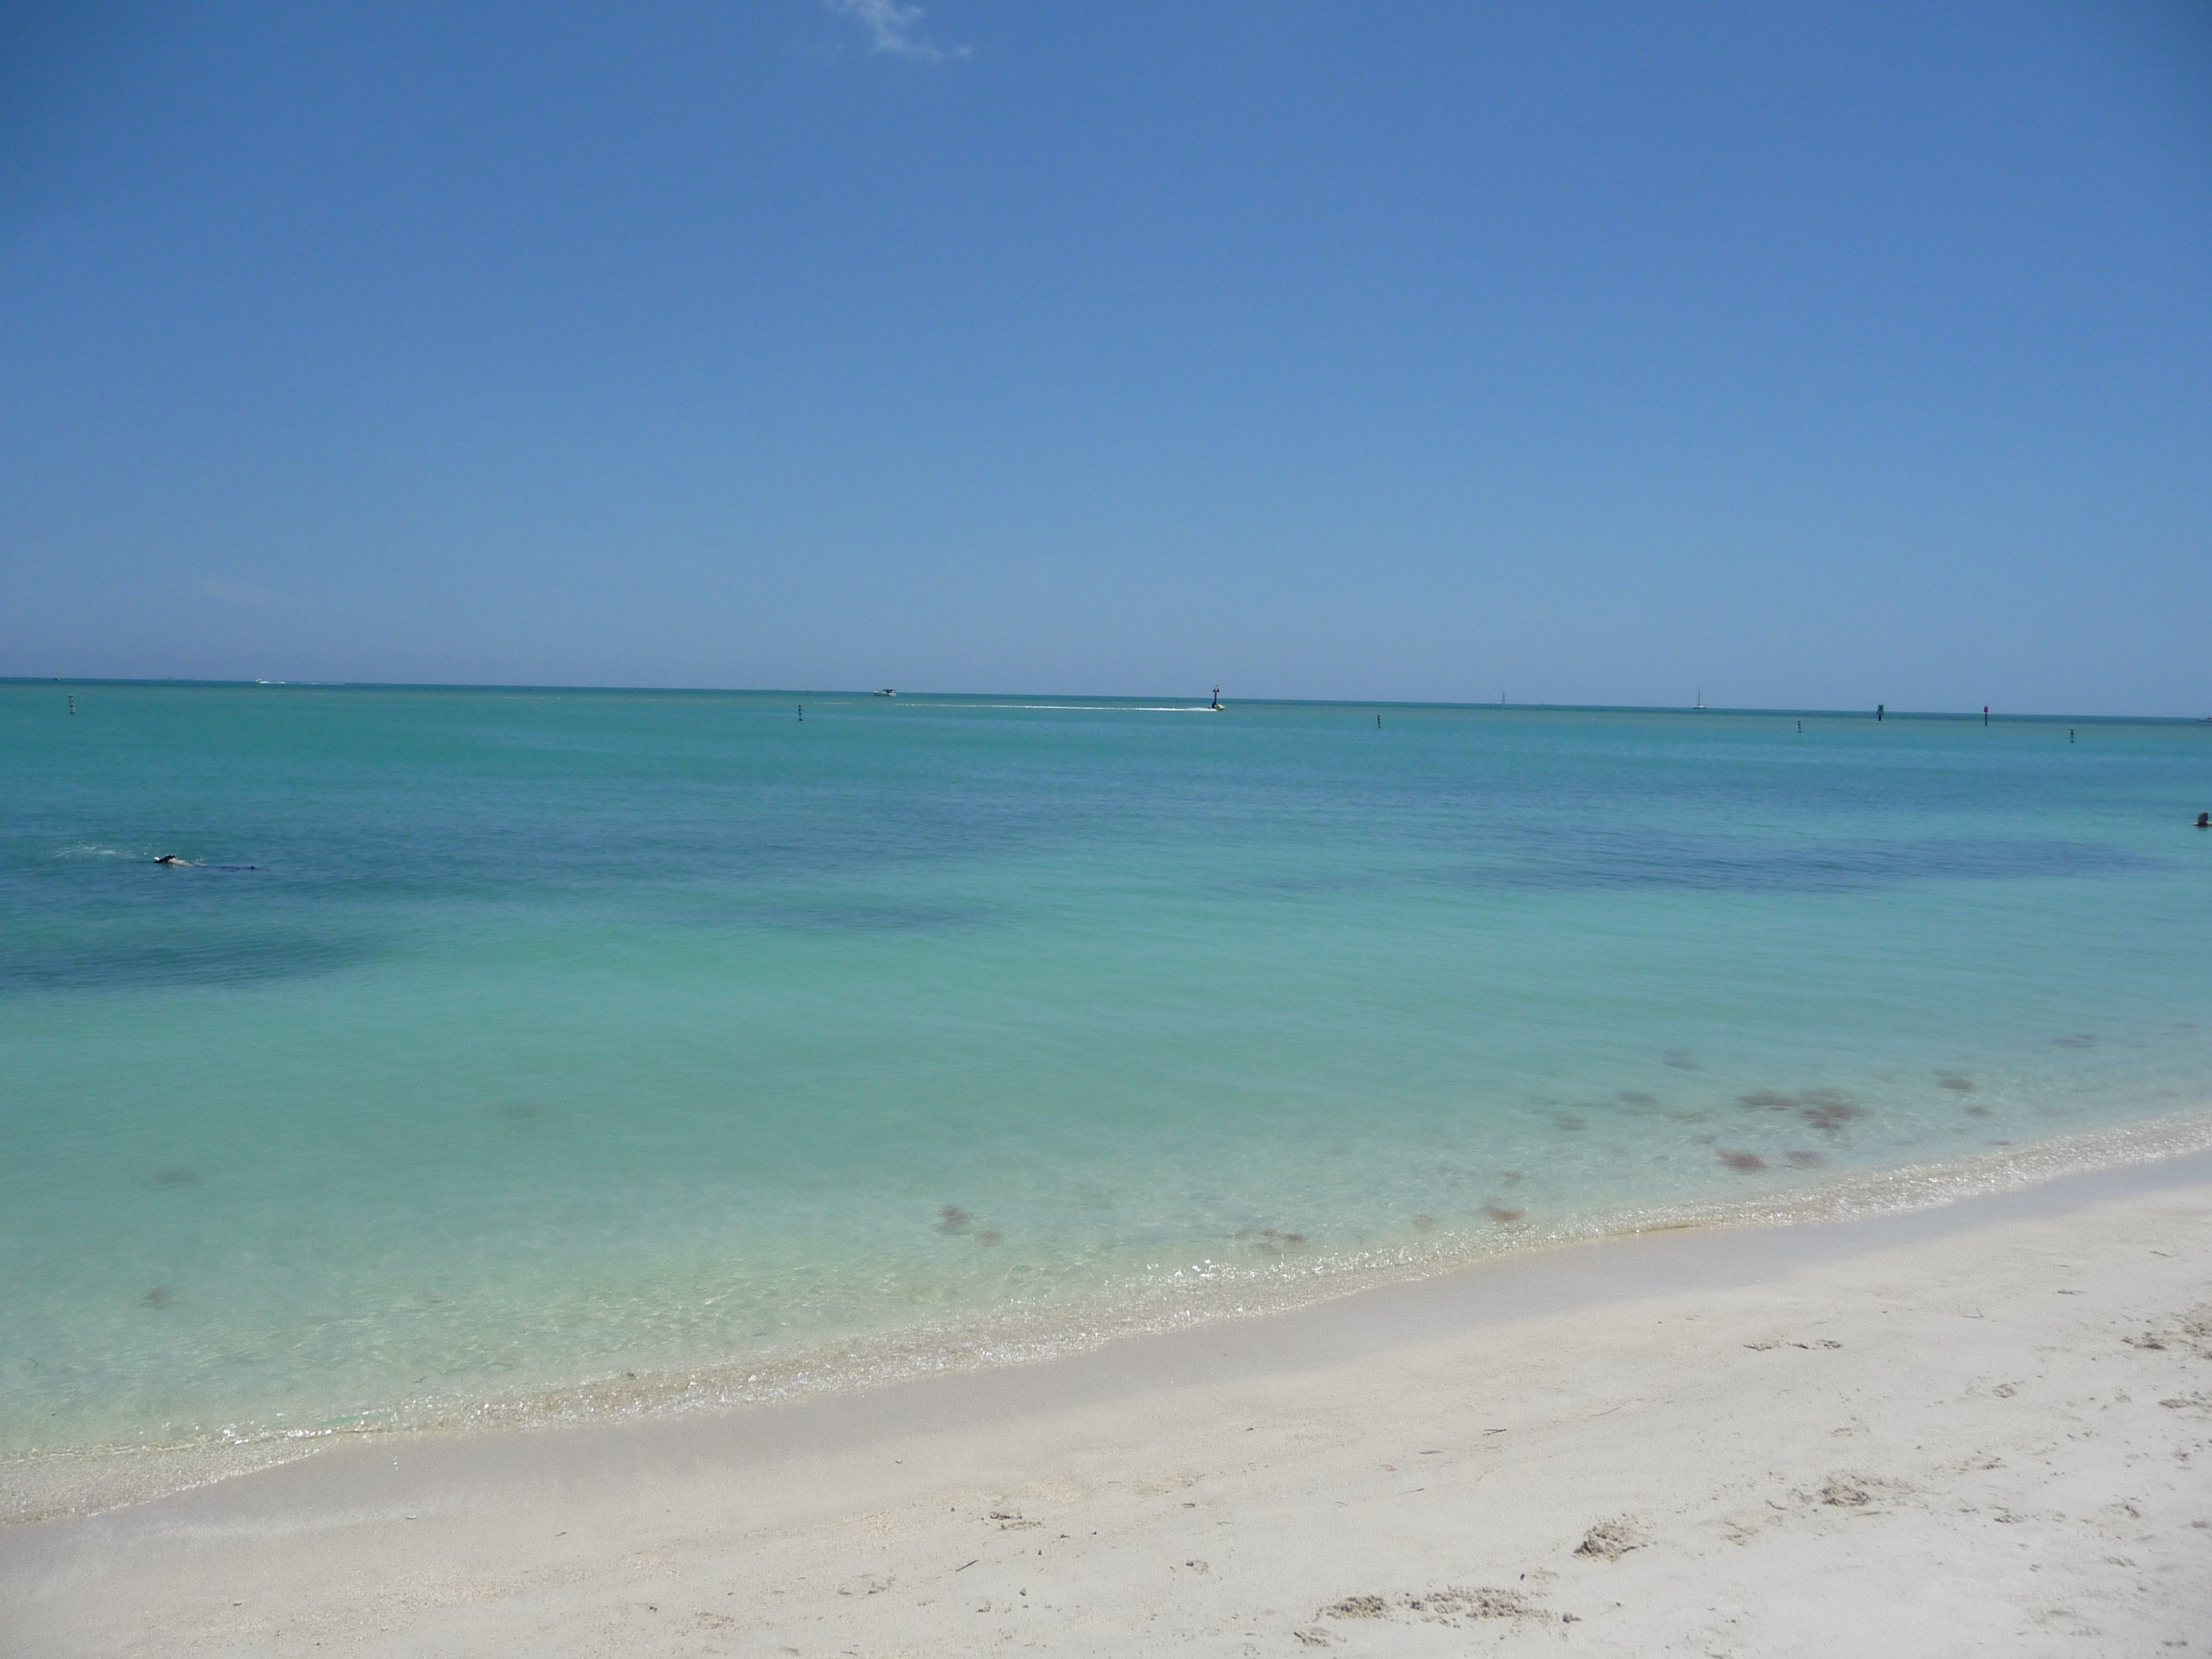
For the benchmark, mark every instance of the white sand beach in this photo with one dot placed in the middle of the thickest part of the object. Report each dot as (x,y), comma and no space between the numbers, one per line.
(1980,1429)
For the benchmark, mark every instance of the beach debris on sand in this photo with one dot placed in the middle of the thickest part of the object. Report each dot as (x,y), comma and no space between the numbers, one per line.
(1609,1541)
(1440,1606)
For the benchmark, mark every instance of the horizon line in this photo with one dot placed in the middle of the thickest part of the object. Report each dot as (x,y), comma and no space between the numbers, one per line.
(1196,699)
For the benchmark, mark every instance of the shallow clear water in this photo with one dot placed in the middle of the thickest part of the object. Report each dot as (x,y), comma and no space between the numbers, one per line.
(564,1035)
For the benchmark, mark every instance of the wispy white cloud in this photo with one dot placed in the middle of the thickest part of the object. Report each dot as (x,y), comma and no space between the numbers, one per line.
(891,28)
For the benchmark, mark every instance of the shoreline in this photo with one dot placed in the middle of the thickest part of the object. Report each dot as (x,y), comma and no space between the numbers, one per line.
(2021,1336)
(69,1482)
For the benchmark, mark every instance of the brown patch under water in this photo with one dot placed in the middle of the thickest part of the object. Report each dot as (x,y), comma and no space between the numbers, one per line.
(1767,1100)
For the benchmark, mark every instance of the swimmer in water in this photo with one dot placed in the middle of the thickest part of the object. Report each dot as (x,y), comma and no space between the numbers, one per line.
(2204,820)
(170,858)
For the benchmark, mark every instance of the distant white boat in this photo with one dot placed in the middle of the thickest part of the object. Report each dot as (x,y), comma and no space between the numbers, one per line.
(887,692)
(1698,707)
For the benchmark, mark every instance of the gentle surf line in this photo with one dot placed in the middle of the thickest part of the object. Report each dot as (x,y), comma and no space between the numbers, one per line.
(98,1475)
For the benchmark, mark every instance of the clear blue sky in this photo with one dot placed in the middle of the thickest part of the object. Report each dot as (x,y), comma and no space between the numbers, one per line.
(1814,354)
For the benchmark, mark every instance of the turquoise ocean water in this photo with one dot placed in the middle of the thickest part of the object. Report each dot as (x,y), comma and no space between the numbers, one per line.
(568,1050)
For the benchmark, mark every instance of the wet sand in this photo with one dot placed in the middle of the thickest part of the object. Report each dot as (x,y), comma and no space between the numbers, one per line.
(1976,1429)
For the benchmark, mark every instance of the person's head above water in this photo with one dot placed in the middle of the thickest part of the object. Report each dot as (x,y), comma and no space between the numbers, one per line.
(2204,820)
(170,858)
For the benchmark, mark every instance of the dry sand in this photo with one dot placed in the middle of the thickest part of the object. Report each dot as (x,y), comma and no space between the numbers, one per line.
(1978,1430)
